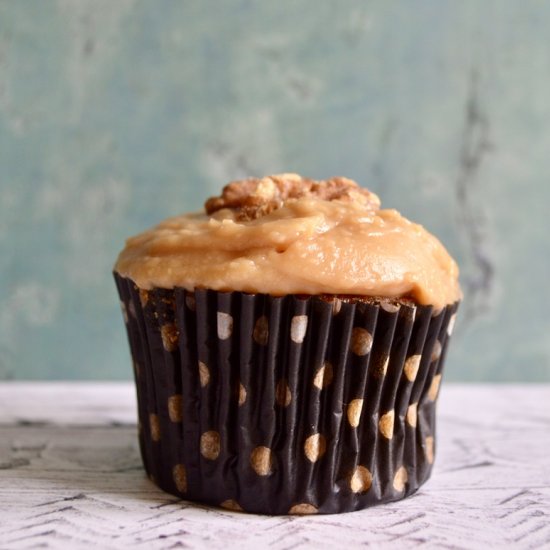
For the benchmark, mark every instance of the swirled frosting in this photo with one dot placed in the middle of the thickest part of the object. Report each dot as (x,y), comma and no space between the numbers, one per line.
(289,235)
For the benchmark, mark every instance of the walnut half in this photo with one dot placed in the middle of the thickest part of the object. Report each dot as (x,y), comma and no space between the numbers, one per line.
(253,198)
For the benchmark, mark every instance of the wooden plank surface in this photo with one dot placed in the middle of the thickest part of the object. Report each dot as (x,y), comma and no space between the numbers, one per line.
(71,477)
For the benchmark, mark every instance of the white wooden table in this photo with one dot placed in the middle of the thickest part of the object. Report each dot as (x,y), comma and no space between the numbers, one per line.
(71,477)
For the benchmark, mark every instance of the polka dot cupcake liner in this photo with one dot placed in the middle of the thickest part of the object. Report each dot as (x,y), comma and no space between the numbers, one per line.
(285,405)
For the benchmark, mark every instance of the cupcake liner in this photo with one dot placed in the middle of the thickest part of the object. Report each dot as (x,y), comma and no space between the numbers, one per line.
(277,405)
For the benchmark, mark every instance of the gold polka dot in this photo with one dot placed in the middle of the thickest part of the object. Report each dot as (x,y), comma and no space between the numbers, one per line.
(411,367)
(385,424)
(434,387)
(315,447)
(179,474)
(283,397)
(436,351)
(323,377)
(204,374)
(361,341)
(303,509)
(210,445)
(451,325)
(169,334)
(232,505)
(154,426)
(261,331)
(124,312)
(137,369)
(390,307)
(336,306)
(261,460)
(361,480)
(190,302)
(429,449)
(225,325)
(354,412)
(298,328)
(412,414)
(132,310)
(381,368)
(436,311)
(400,479)
(242,395)
(175,408)
(143,297)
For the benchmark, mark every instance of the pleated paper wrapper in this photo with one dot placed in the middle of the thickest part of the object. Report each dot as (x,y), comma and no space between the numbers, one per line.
(285,405)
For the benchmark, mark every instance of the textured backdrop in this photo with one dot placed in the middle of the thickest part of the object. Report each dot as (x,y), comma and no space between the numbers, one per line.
(114,115)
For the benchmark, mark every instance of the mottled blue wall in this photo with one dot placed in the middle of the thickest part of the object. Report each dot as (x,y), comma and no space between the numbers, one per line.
(114,115)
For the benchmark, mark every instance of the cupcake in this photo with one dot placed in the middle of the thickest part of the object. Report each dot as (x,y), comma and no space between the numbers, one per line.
(288,345)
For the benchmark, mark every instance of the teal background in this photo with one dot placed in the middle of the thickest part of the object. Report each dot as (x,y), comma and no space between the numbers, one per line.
(114,115)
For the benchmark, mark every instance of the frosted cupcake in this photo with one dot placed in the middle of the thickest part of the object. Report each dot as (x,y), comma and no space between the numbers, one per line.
(288,345)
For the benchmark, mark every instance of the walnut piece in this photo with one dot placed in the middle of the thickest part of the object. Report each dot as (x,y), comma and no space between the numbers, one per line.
(253,198)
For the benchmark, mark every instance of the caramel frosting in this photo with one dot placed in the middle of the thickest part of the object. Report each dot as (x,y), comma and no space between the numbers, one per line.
(290,235)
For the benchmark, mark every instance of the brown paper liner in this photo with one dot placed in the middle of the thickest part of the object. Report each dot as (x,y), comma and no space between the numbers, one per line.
(294,404)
